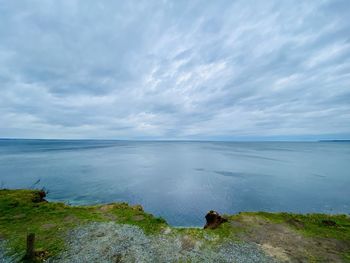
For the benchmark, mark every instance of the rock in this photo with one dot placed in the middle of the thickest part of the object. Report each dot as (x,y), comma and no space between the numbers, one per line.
(328,222)
(39,196)
(167,231)
(214,220)
(138,208)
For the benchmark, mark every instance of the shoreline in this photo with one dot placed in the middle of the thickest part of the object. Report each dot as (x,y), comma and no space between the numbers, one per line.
(269,236)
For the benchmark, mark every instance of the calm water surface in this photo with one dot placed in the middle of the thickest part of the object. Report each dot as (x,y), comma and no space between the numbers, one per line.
(181,181)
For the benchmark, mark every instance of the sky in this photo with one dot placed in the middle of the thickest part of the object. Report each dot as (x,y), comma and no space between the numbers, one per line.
(198,70)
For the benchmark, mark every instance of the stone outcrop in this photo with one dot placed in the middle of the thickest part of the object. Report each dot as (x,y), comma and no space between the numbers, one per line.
(213,220)
(39,196)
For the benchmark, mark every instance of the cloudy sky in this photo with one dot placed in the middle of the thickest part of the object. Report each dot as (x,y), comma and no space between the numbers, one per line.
(175,69)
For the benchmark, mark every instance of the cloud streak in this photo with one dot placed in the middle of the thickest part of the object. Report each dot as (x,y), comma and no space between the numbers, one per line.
(174,69)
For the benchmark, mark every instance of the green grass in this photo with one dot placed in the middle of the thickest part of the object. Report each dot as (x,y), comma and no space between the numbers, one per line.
(347,257)
(19,215)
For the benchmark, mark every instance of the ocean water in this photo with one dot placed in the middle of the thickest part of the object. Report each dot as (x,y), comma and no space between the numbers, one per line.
(181,181)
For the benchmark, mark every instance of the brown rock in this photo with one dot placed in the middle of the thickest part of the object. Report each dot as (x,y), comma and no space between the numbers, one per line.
(328,222)
(214,220)
(39,196)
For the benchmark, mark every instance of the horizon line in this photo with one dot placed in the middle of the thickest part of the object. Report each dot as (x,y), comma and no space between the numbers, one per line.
(181,140)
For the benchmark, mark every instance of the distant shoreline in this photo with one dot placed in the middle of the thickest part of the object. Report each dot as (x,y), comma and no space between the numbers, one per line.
(334,140)
(173,140)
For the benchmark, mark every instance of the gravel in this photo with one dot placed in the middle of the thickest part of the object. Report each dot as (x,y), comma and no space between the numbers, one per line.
(4,257)
(111,242)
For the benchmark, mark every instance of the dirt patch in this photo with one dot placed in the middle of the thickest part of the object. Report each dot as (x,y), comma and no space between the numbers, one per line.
(111,217)
(276,252)
(70,219)
(106,208)
(138,218)
(48,226)
(296,223)
(19,216)
(187,243)
(287,245)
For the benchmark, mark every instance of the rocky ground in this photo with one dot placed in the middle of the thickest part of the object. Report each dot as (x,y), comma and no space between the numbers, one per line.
(110,242)
(4,256)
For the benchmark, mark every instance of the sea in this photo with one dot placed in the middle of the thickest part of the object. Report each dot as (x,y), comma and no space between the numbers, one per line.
(182,180)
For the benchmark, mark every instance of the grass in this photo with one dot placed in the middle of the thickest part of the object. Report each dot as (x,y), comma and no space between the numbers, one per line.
(23,212)
(19,215)
(311,225)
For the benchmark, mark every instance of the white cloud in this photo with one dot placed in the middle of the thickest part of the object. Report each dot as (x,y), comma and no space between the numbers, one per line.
(144,69)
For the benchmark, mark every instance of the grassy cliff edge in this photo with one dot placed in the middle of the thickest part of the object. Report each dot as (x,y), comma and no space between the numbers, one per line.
(283,236)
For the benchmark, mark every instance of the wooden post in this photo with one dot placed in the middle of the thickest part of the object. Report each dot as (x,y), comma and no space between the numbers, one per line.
(30,246)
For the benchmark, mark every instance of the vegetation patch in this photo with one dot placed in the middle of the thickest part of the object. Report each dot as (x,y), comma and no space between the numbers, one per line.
(312,225)
(311,237)
(24,211)
(304,238)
